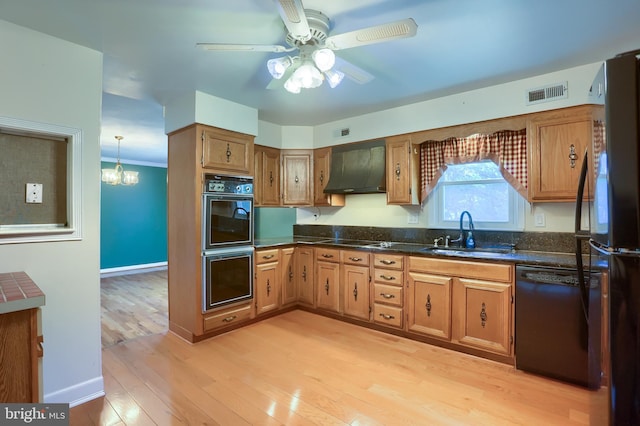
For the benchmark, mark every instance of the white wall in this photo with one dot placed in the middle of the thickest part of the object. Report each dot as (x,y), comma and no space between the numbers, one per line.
(47,80)
(483,104)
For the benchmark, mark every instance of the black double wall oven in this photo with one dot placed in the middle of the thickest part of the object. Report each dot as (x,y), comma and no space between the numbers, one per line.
(227,240)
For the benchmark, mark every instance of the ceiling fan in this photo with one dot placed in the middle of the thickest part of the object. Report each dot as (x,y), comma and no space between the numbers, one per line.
(315,62)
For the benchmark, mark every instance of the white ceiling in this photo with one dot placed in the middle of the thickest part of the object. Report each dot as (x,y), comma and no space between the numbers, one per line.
(150,54)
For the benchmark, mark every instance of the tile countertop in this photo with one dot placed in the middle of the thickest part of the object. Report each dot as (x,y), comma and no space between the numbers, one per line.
(523,257)
(18,292)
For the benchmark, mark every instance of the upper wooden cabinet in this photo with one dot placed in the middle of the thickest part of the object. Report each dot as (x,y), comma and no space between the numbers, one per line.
(266,176)
(557,143)
(321,173)
(402,171)
(225,151)
(296,177)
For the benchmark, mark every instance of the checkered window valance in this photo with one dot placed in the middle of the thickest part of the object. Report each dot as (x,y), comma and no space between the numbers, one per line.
(507,148)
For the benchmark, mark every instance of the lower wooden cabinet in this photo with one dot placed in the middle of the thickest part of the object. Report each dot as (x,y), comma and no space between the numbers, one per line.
(482,315)
(228,316)
(388,288)
(288,283)
(355,283)
(305,275)
(267,281)
(328,279)
(20,354)
(429,305)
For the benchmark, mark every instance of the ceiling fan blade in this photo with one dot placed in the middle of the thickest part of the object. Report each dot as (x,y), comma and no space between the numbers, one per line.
(295,19)
(377,34)
(245,47)
(353,72)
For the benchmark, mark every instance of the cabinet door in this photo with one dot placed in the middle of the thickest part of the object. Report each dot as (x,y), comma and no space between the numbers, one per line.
(558,141)
(288,282)
(267,287)
(328,286)
(266,176)
(304,275)
(226,151)
(355,281)
(482,315)
(321,173)
(430,305)
(402,186)
(296,178)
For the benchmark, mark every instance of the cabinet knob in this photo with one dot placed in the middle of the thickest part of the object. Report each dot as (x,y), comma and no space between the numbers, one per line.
(387,262)
(326,286)
(228,153)
(387,295)
(355,292)
(387,317)
(483,315)
(428,305)
(229,319)
(573,157)
(387,277)
(397,171)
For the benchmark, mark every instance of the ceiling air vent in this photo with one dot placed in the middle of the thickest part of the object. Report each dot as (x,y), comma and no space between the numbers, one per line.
(548,93)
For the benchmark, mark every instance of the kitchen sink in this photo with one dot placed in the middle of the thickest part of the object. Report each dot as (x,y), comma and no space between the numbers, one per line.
(478,251)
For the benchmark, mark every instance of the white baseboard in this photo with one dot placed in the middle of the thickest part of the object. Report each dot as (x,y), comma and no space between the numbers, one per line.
(79,393)
(133,269)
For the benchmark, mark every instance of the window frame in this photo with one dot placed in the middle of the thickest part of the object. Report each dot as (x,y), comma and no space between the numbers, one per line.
(435,206)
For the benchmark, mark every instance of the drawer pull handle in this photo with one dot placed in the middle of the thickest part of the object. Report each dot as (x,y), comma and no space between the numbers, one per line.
(327,256)
(355,259)
(387,277)
(387,296)
(483,315)
(428,305)
(267,256)
(39,348)
(229,319)
(387,262)
(387,317)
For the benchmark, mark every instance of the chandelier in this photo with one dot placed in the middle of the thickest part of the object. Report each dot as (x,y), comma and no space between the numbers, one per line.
(312,67)
(117,175)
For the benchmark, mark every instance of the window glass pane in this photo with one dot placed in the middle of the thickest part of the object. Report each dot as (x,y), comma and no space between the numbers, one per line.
(488,202)
(471,172)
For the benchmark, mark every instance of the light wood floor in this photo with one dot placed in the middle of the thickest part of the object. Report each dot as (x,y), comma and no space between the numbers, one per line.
(301,368)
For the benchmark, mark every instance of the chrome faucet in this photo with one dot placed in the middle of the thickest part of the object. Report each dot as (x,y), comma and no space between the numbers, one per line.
(469,241)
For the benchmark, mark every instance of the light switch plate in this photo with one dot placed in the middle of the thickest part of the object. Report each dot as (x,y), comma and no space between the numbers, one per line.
(412,218)
(539,220)
(34,193)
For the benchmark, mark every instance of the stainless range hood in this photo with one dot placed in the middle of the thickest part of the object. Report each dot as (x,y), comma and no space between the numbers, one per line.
(357,168)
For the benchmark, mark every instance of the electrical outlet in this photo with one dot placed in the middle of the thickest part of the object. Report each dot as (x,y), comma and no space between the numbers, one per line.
(412,218)
(34,193)
(539,220)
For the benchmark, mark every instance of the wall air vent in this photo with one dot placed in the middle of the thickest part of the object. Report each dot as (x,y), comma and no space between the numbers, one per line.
(548,93)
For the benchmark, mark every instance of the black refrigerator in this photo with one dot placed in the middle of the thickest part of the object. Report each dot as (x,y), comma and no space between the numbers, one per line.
(615,229)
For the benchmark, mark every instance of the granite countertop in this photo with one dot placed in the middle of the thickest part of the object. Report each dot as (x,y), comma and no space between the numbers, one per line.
(18,292)
(502,254)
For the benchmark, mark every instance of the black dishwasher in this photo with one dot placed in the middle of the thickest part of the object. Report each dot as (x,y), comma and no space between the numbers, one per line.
(557,332)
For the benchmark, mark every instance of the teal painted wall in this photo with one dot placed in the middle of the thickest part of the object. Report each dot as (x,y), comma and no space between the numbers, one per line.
(274,222)
(133,219)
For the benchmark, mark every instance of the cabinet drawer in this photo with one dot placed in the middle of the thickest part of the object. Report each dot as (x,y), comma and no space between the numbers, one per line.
(391,261)
(388,315)
(388,276)
(227,317)
(354,257)
(502,272)
(266,256)
(327,254)
(388,294)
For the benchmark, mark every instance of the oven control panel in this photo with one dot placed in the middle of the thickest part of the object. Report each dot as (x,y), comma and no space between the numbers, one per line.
(217,184)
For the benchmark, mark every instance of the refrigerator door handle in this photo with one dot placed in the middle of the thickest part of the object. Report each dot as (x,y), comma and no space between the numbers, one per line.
(601,248)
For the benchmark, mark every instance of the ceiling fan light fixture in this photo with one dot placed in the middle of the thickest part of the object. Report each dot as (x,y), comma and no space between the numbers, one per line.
(292,85)
(307,76)
(324,59)
(334,77)
(278,66)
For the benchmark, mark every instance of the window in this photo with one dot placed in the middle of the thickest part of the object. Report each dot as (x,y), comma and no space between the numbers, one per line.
(480,189)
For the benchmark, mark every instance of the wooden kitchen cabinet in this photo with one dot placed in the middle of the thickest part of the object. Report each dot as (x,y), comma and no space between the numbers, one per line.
(227,317)
(297,177)
(557,141)
(227,152)
(267,281)
(388,289)
(305,278)
(355,282)
(288,281)
(402,170)
(483,315)
(328,279)
(266,176)
(321,174)
(429,305)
